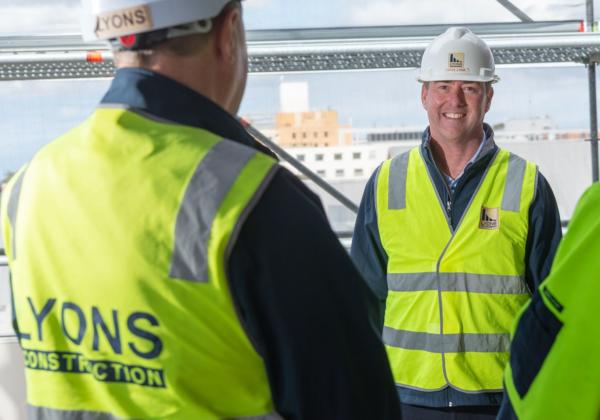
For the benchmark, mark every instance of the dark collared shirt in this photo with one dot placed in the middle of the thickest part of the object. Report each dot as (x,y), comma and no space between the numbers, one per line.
(485,144)
(299,296)
(371,259)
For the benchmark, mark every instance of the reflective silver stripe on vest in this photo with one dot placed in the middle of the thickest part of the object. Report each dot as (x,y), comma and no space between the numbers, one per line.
(397,182)
(511,201)
(13,204)
(456,282)
(44,413)
(446,343)
(214,177)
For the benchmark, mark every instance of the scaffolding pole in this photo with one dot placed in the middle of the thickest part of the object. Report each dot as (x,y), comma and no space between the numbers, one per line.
(515,11)
(592,87)
(275,148)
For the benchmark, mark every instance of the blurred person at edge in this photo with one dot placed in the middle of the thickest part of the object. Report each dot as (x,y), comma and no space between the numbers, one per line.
(453,236)
(165,266)
(554,370)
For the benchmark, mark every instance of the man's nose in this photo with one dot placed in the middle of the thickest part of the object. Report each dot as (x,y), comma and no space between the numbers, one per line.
(457,97)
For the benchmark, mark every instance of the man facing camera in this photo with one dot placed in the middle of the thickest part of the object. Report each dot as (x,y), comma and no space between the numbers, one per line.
(453,236)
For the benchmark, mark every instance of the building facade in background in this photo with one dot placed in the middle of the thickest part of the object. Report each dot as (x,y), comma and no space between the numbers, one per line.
(311,129)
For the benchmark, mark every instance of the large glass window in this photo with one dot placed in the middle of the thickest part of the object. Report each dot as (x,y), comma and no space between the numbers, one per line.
(367,111)
(548,100)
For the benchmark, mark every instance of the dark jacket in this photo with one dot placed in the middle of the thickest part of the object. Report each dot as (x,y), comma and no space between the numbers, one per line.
(370,257)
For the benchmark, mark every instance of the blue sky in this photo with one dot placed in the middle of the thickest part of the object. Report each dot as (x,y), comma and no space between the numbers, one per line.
(34,112)
(43,16)
(268,14)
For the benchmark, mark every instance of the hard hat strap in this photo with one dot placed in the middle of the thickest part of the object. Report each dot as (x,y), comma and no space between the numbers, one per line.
(150,39)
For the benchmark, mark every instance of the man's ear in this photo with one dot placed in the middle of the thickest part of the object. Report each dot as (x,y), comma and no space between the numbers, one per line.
(488,97)
(226,33)
(423,93)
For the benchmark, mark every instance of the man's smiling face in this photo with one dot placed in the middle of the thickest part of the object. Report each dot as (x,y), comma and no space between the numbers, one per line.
(456,109)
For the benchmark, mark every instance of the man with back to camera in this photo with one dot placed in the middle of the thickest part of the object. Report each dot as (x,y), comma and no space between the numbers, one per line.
(164,267)
(453,236)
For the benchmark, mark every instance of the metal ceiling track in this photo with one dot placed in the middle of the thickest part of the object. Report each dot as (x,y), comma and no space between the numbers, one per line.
(309,50)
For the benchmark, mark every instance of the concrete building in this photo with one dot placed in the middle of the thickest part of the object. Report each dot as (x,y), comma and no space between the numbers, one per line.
(310,129)
(353,162)
(296,125)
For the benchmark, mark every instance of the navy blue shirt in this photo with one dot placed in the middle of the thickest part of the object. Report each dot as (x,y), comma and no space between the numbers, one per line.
(543,238)
(300,298)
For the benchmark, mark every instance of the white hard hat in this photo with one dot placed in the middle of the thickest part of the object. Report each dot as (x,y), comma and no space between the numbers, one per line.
(458,54)
(107,19)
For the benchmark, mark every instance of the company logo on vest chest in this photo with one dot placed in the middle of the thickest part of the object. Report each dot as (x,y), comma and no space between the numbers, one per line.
(489,218)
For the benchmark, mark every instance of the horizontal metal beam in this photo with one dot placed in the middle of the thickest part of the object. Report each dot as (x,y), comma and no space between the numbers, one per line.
(66,56)
(385,53)
(408,31)
(38,42)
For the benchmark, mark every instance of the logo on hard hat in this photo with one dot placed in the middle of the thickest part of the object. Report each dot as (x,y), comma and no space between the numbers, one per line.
(489,218)
(123,22)
(456,59)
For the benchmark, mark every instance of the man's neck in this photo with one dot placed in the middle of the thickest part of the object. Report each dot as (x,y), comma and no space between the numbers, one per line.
(452,157)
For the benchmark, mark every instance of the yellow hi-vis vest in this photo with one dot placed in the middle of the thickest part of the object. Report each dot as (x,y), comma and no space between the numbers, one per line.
(453,295)
(118,236)
(554,370)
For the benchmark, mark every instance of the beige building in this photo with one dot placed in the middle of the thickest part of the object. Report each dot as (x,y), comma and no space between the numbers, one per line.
(311,129)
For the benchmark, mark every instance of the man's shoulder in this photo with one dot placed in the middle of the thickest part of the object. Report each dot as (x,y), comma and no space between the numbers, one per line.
(591,196)
(286,184)
(400,158)
(60,146)
(287,217)
(585,214)
(237,147)
(516,157)
(414,149)
(517,160)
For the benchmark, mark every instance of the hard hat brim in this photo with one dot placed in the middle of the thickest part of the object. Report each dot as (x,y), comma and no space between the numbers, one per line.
(459,77)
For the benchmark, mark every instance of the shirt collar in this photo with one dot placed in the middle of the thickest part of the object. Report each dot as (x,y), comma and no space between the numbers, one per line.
(160,96)
(487,144)
(482,146)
